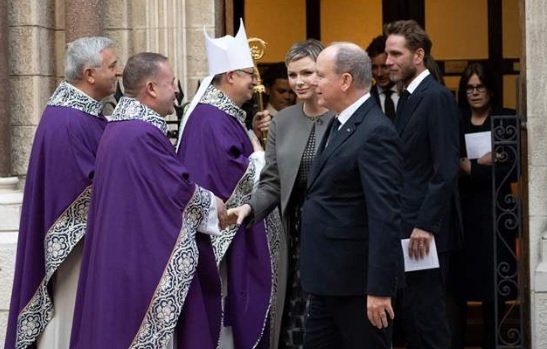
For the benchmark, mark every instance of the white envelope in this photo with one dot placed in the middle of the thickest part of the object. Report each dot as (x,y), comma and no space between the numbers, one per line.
(431,261)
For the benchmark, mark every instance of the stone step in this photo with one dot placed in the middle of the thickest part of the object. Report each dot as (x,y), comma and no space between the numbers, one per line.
(11,197)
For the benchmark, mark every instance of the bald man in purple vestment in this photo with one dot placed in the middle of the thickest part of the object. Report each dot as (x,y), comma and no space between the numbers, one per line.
(56,198)
(140,254)
(222,157)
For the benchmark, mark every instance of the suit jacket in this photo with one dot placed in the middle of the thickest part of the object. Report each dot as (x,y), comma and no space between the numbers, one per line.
(287,138)
(376,95)
(428,125)
(351,216)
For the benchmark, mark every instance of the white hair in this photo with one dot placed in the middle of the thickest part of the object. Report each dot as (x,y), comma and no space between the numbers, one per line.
(84,53)
(350,58)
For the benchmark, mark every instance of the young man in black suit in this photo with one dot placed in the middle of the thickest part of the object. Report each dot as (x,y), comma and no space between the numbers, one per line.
(384,91)
(351,257)
(427,122)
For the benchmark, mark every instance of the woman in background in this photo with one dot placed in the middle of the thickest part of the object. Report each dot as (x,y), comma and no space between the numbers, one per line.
(474,267)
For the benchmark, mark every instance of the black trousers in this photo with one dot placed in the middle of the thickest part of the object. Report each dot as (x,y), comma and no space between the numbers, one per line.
(341,322)
(424,313)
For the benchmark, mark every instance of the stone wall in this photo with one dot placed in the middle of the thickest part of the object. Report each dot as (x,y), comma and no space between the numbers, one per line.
(32,62)
(171,27)
(535,28)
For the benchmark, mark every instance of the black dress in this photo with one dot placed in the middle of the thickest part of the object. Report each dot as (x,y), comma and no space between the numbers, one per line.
(296,301)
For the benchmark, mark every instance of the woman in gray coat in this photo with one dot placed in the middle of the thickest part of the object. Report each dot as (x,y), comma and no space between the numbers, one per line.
(293,138)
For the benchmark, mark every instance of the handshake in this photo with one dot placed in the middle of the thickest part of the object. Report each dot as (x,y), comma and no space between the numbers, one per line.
(231,216)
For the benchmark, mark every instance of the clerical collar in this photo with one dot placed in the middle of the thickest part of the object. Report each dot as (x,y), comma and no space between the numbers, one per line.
(69,96)
(215,97)
(130,109)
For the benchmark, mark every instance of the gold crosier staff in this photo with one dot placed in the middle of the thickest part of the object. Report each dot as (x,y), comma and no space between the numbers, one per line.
(258,47)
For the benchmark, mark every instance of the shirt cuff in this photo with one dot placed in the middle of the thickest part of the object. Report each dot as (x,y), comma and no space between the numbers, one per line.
(209,225)
(259,161)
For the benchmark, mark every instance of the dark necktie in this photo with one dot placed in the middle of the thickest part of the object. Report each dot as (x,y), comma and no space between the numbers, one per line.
(335,125)
(401,103)
(389,106)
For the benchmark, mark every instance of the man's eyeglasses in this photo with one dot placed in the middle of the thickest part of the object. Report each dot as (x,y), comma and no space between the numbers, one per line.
(251,74)
(479,88)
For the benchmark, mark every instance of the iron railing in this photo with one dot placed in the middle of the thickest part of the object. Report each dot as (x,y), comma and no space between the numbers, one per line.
(507,223)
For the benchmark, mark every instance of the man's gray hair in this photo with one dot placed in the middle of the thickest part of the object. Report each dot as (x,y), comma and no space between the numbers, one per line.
(84,53)
(138,68)
(352,59)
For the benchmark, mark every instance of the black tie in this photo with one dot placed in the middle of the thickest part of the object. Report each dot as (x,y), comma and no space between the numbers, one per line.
(389,106)
(401,103)
(333,129)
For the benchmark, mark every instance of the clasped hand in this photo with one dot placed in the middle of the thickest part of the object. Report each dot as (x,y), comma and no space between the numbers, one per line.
(420,241)
(261,122)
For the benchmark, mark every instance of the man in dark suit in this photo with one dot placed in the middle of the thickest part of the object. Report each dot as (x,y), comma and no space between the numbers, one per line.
(427,121)
(385,92)
(351,257)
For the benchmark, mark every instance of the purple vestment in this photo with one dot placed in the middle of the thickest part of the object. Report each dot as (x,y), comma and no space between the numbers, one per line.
(215,148)
(140,254)
(61,168)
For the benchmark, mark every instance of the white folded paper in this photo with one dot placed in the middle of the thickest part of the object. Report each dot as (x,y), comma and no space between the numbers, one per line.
(477,144)
(431,261)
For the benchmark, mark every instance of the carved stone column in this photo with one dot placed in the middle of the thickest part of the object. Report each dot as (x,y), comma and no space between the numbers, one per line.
(5,144)
(83,18)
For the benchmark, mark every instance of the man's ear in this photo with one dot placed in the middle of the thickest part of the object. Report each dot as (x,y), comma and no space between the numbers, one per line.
(151,89)
(229,76)
(347,79)
(89,75)
(419,56)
